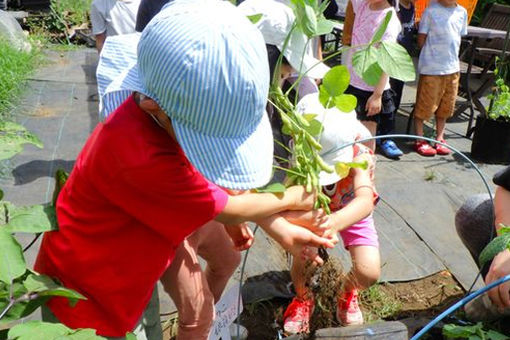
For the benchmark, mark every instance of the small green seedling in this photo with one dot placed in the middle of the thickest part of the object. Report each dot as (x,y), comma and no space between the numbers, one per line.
(474,332)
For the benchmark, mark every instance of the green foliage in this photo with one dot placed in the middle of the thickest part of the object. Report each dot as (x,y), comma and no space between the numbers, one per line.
(500,102)
(12,138)
(15,67)
(254,18)
(310,19)
(473,332)
(12,262)
(331,91)
(273,187)
(383,56)
(29,219)
(50,331)
(496,246)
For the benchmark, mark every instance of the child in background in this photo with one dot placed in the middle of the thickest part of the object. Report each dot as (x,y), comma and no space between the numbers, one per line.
(406,15)
(352,202)
(112,17)
(373,101)
(441,27)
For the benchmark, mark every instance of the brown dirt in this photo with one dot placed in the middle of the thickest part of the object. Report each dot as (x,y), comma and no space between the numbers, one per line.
(420,298)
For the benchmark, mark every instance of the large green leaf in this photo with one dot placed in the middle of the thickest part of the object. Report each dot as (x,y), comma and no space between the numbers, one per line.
(336,80)
(346,102)
(12,138)
(255,18)
(395,61)
(12,261)
(325,99)
(365,65)
(493,335)
(38,330)
(31,219)
(45,286)
(496,246)
(382,28)
(455,331)
(81,334)
(130,336)
(324,26)
(309,22)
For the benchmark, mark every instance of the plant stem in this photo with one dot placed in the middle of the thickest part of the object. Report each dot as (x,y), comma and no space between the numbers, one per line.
(289,171)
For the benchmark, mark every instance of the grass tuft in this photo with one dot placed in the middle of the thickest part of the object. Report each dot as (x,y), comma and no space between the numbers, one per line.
(377,304)
(15,68)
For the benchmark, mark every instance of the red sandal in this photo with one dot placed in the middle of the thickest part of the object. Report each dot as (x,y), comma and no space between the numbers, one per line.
(441,149)
(424,148)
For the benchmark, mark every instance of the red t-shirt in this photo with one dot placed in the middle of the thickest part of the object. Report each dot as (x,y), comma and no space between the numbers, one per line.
(131,199)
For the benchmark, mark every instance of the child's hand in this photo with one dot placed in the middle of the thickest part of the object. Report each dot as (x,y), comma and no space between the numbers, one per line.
(331,234)
(241,235)
(316,221)
(374,104)
(300,199)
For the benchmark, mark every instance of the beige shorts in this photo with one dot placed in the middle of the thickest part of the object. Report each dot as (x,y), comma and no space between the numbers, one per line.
(436,95)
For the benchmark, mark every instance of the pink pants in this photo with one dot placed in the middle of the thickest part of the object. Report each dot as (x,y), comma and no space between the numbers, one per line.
(193,290)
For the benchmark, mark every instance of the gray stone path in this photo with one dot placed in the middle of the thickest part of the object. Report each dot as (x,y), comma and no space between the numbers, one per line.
(415,218)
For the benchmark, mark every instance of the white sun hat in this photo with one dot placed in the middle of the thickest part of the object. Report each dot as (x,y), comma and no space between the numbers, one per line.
(275,24)
(205,65)
(339,129)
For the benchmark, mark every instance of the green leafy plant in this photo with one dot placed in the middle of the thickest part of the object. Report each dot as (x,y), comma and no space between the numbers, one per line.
(369,61)
(496,246)
(471,332)
(500,102)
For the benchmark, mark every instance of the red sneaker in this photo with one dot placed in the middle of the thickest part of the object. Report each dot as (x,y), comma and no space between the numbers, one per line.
(441,149)
(348,312)
(424,148)
(296,318)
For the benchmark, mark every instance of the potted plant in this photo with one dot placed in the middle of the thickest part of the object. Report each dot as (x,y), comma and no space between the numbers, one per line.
(491,139)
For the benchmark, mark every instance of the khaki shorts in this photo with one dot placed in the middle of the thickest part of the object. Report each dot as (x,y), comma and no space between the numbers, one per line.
(436,95)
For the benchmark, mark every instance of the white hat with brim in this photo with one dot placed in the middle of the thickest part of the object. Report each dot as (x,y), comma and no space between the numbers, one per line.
(340,131)
(275,24)
(193,59)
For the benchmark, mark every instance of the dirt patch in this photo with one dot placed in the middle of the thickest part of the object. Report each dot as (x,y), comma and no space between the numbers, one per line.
(43,111)
(389,301)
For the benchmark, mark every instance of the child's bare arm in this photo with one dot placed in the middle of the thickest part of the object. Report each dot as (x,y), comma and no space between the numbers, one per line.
(374,103)
(255,206)
(316,221)
(422,37)
(362,204)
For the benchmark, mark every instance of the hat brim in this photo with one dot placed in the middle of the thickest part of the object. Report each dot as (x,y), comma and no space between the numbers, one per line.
(302,63)
(234,163)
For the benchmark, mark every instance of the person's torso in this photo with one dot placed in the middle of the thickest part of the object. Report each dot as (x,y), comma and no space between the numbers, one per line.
(407,20)
(342,192)
(366,23)
(440,54)
(120,16)
(101,250)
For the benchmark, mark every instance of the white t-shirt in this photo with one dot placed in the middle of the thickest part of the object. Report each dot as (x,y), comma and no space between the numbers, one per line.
(113,17)
(444,27)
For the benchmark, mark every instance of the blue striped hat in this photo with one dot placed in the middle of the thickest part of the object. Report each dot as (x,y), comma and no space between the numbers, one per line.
(206,66)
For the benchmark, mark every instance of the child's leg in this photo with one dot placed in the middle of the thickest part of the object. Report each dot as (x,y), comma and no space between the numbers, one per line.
(440,126)
(428,97)
(215,246)
(297,273)
(194,291)
(418,126)
(447,103)
(366,268)
(296,318)
(372,127)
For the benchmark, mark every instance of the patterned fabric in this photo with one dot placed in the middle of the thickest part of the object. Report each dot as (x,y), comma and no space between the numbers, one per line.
(342,192)
(366,22)
(199,68)
(444,27)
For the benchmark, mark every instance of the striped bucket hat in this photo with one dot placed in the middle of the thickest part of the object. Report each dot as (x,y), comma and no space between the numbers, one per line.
(206,66)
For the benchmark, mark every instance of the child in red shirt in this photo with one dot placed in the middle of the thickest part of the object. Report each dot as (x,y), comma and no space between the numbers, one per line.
(144,179)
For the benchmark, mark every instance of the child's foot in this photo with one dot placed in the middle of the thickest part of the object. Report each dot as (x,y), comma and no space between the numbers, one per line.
(348,312)
(441,149)
(390,149)
(296,318)
(424,148)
